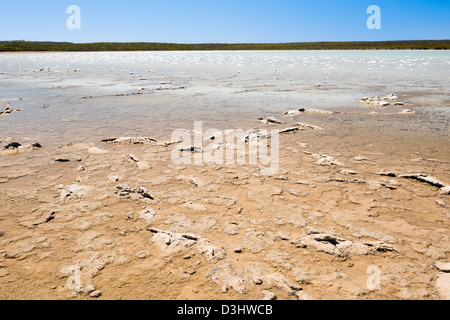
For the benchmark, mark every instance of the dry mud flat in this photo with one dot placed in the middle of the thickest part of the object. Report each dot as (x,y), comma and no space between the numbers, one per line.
(353,213)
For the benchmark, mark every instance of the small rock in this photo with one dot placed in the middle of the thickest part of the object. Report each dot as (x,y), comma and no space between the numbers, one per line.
(284,235)
(190,271)
(95,294)
(407,111)
(145,193)
(425,178)
(326,160)
(267,295)
(347,171)
(441,203)
(442,266)
(391,96)
(314,111)
(273,120)
(79,290)
(2,233)
(289,130)
(148,215)
(129,216)
(134,158)
(130,140)
(443,285)
(89,289)
(124,187)
(301,295)
(301,276)
(445,190)
(232,228)
(294,112)
(142,255)
(12,145)
(192,149)
(387,174)
(113,178)
(238,249)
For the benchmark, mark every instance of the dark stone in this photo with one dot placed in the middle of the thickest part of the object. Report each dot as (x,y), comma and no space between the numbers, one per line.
(192,149)
(13,145)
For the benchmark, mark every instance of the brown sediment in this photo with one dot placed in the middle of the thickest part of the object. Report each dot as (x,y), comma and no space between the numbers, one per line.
(337,207)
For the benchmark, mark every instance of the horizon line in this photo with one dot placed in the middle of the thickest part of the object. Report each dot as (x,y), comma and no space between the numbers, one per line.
(228,43)
(51,46)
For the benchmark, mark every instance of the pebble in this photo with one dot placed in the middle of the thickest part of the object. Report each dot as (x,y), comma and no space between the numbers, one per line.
(441,203)
(273,120)
(347,171)
(407,111)
(95,294)
(113,178)
(89,289)
(145,193)
(445,190)
(442,266)
(130,140)
(238,249)
(267,295)
(190,271)
(142,255)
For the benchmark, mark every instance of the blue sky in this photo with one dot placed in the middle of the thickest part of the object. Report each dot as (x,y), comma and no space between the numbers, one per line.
(226,21)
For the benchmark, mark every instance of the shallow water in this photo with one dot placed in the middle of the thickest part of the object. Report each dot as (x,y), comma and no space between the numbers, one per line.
(91,95)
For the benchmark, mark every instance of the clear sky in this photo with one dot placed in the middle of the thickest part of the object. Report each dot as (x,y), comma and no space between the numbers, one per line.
(223,21)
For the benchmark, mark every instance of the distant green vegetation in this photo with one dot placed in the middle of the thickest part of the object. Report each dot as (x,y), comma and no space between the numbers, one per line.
(8,46)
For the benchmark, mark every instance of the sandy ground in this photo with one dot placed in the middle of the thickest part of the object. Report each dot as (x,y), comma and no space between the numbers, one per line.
(337,221)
